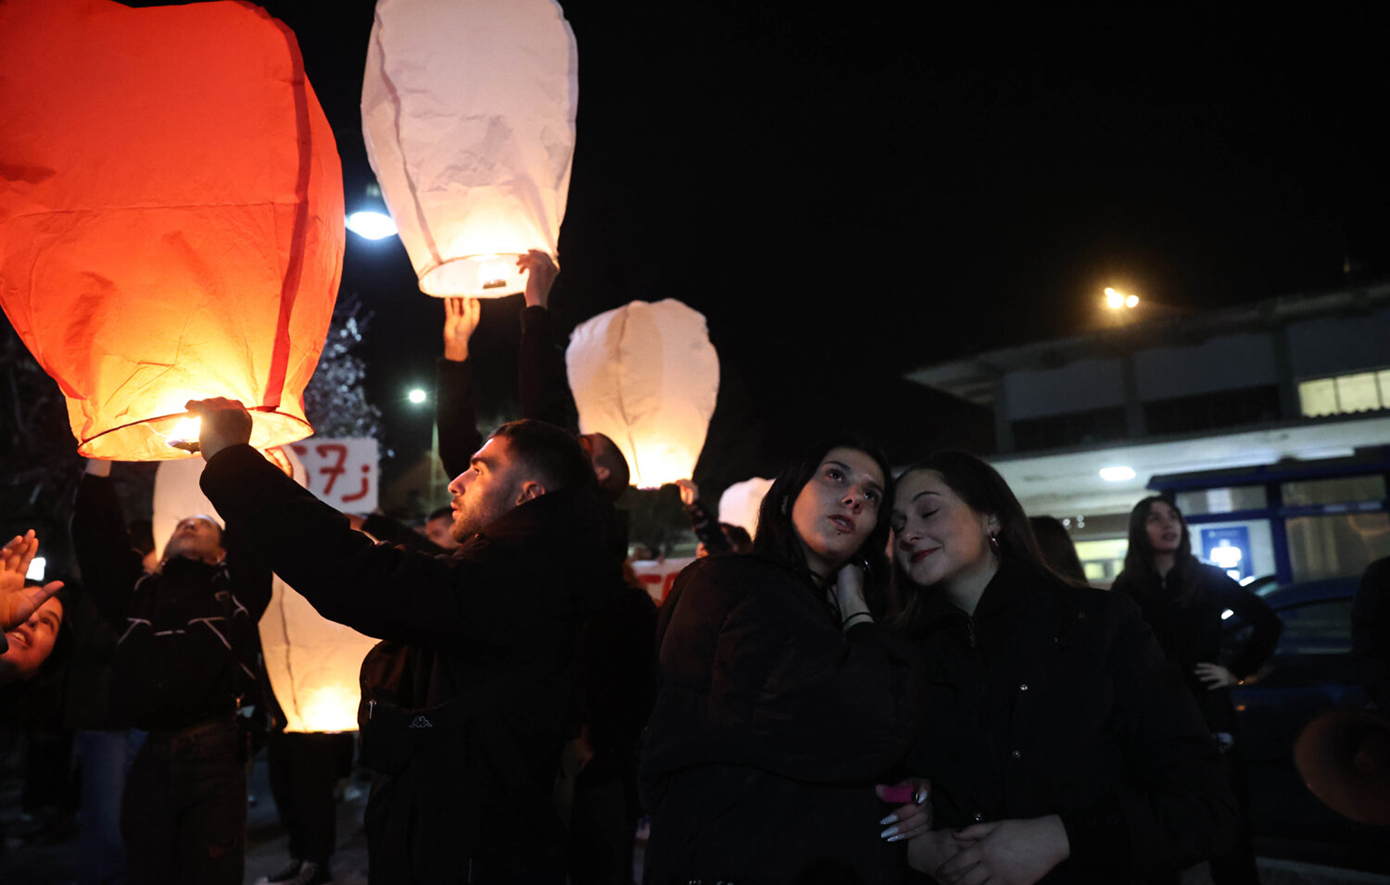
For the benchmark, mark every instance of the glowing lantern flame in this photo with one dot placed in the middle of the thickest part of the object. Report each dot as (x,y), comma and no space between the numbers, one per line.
(185,432)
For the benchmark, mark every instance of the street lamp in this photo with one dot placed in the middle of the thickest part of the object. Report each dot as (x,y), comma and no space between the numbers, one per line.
(417,396)
(1115,299)
(371,225)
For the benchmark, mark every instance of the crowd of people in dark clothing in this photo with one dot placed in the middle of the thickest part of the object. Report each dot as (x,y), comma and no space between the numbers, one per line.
(896,678)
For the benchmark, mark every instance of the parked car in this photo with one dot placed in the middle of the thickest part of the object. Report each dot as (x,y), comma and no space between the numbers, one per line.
(1311,672)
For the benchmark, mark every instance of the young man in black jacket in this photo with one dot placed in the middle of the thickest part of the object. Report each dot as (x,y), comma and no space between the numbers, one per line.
(186,657)
(473,676)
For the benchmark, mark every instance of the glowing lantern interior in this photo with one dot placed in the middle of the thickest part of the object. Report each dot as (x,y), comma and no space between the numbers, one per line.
(647,376)
(740,502)
(171,225)
(468,111)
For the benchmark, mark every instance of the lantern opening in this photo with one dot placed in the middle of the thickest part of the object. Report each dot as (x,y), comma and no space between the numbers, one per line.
(477,276)
(162,437)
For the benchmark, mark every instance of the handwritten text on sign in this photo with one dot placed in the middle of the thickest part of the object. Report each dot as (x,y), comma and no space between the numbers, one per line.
(658,575)
(341,472)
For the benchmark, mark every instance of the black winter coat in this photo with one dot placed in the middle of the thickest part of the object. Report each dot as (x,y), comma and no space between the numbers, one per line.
(1184,609)
(770,729)
(187,649)
(1057,700)
(503,609)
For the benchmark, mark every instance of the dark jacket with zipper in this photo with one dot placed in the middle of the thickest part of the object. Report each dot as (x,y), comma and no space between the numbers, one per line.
(1057,700)
(493,625)
(770,729)
(186,648)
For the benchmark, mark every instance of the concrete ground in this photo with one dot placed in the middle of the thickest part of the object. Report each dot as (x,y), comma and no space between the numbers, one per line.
(43,852)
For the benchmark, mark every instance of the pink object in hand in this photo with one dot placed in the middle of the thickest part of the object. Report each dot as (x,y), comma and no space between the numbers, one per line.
(901,795)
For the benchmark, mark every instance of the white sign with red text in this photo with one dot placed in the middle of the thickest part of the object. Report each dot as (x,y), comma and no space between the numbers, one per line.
(657,575)
(341,472)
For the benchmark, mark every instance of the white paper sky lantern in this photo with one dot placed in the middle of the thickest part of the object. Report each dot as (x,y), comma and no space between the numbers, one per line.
(740,502)
(468,113)
(312,662)
(646,376)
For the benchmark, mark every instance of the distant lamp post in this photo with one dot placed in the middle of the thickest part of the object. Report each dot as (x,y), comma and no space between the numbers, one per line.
(1117,300)
(417,396)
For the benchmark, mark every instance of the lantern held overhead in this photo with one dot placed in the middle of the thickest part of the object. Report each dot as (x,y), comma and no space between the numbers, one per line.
(646,376)
(468,111)
(171,215)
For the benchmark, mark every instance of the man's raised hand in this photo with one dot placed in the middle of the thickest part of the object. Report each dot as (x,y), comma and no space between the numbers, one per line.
(225,422)
(540,276)
(460,321)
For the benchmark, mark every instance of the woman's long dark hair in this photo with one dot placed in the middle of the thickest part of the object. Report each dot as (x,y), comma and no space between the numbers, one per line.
(1056,546)
(777,538)
(1139,558)
(982,489)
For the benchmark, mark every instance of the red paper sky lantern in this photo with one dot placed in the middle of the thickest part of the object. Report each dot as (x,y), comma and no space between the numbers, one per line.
(171,214)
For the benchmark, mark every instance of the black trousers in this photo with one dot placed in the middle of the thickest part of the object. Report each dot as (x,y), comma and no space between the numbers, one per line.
(303,771)
(183,816)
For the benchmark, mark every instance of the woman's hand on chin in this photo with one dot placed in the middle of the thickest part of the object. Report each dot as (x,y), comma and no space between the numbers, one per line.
(848,595)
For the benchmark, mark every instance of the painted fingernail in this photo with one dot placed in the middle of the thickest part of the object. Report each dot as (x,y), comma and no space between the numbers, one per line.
(898,838)
(890,834)
(890,819)
(920,797)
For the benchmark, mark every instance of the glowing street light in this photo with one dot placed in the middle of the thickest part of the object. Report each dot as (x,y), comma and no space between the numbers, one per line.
(1115,299)
(371,225)
(417,396)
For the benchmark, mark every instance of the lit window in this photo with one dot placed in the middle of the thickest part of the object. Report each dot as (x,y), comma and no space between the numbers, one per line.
(1318,398)
(1345,394)
(1358,393)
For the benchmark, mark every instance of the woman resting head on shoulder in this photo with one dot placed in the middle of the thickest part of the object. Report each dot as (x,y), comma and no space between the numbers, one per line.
(1056,745)
(954,520)
(782,701)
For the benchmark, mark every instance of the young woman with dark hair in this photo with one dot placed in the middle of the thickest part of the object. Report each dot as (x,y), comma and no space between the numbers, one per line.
(1184,600)
(1058,744)
(783,696)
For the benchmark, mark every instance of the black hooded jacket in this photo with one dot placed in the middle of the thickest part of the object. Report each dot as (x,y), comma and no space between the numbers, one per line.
(186,647)
(770,729)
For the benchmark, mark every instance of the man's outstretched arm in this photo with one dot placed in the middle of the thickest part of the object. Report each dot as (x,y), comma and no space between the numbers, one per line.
(455,402)
(542,385)
(376,589)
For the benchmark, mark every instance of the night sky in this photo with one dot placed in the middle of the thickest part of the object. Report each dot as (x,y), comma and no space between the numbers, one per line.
(849,194)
